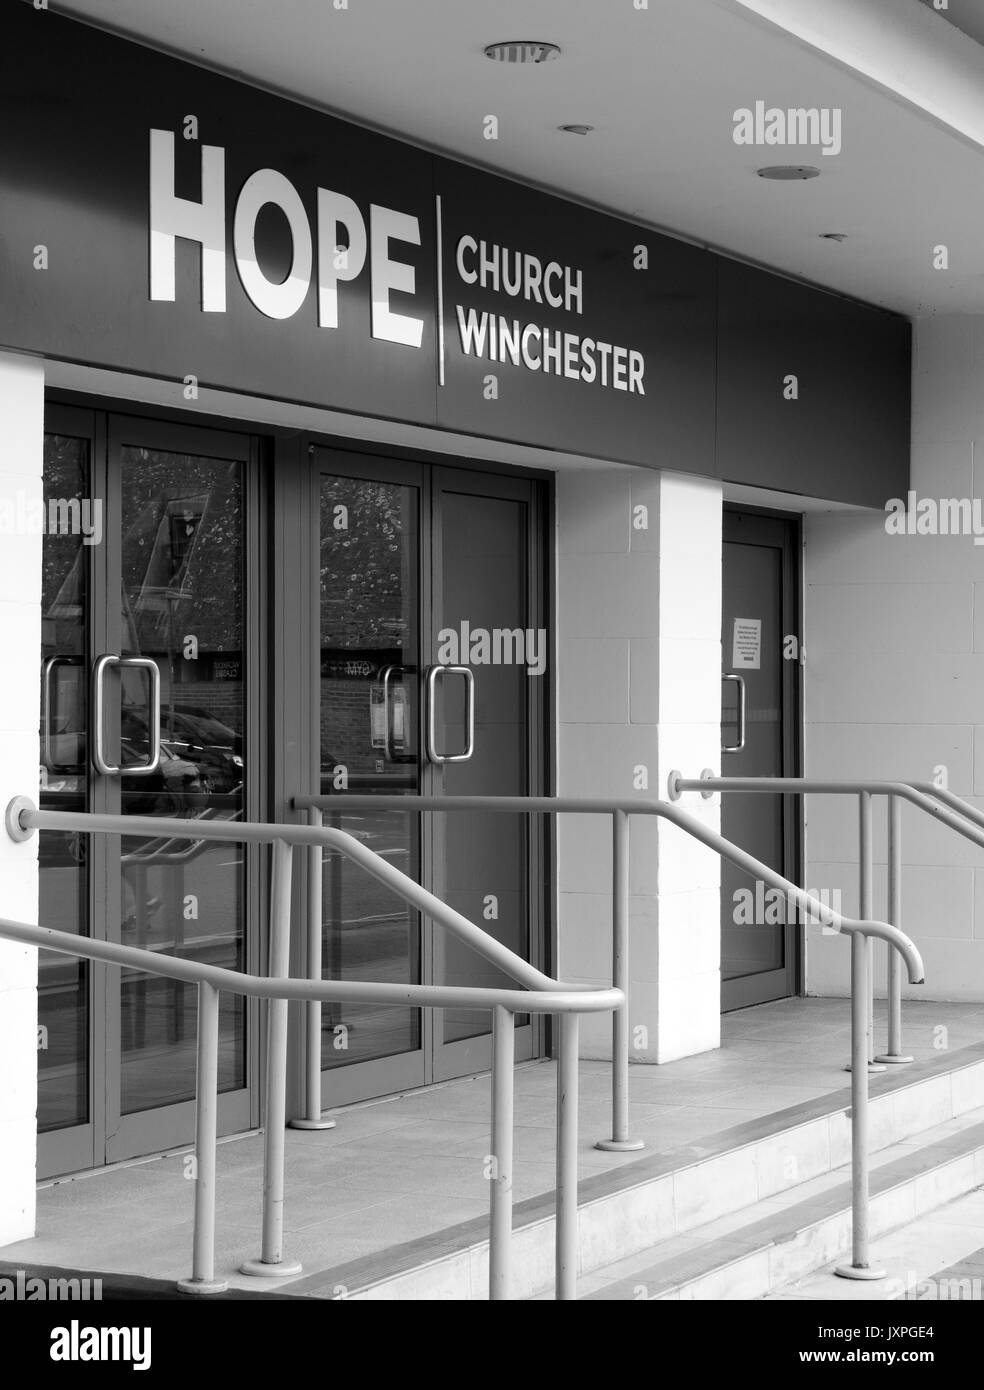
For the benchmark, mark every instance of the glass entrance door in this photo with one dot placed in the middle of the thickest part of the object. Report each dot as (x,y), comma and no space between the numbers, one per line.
(145,711)
(409,558)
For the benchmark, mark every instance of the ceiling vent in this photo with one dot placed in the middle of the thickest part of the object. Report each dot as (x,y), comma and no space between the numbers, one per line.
(522,51)
(787,173)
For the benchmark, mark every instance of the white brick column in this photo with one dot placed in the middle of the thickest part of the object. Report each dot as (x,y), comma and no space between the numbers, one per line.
(638,692)
(688,912)
(21,458)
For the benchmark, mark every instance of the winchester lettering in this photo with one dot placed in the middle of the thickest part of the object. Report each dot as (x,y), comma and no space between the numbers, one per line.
(535,346)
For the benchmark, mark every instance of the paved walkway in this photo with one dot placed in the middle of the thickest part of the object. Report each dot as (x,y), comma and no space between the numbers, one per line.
(397,1169)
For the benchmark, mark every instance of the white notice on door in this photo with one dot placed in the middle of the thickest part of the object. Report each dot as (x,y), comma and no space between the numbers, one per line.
(746,647)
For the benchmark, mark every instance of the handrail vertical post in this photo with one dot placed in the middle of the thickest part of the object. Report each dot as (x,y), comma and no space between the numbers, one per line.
(894,1054)
(566,1253)
(866,912)
(501,1175)
(859,1267)
(312,1118)
(620,1141)
(866,871)
(203,1280)
(271,1262)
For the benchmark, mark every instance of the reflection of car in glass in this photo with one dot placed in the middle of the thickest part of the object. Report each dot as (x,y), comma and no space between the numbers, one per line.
(209,729)
(177,787)
(200,739)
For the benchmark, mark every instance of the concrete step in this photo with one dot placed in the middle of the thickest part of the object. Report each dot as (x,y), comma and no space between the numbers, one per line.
(19,1281)
(664,1196)
(772,1244)
(938,1257)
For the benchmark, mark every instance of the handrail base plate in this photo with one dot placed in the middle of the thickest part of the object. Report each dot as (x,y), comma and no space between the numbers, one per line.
(202,1286)
(855,1272)
(15,830)
(261,1269)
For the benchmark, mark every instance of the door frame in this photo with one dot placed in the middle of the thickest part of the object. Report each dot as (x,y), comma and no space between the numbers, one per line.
(283,570)
(110,1136)
(474,1054)
(745,991)
(434,1061)
(140,1132)
(407,1070)
(73,1148)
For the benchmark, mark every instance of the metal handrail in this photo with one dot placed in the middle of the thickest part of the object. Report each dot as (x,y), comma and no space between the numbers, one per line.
(568,1000)
(948,798)
(23,818)
(942,806)
(502,1003)
(921,794)
(155,856)
(596,806)
(861,931)
(954,813)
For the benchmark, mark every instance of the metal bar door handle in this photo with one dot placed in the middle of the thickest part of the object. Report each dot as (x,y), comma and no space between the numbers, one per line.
(737,747)
(47,673)
(99,669)
(433,755)
(388,673)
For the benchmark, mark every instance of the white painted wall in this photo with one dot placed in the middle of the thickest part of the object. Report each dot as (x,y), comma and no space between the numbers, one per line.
(21,457)
(638,686)
(895,679)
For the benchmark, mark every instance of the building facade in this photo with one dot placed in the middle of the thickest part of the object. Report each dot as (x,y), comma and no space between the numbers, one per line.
(312,434)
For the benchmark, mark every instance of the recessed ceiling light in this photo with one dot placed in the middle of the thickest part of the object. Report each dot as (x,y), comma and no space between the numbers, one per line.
(577,129)
(786,173)
(522,51)
(833,236)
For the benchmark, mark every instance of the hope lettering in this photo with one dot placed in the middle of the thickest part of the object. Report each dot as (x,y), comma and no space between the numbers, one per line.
(205,223)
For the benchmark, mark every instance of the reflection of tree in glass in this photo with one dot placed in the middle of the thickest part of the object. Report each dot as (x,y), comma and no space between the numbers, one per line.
(366,581)
(63,557)
(210,598)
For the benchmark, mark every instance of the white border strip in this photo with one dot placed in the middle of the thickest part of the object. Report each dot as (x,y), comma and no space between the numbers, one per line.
(440,295)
